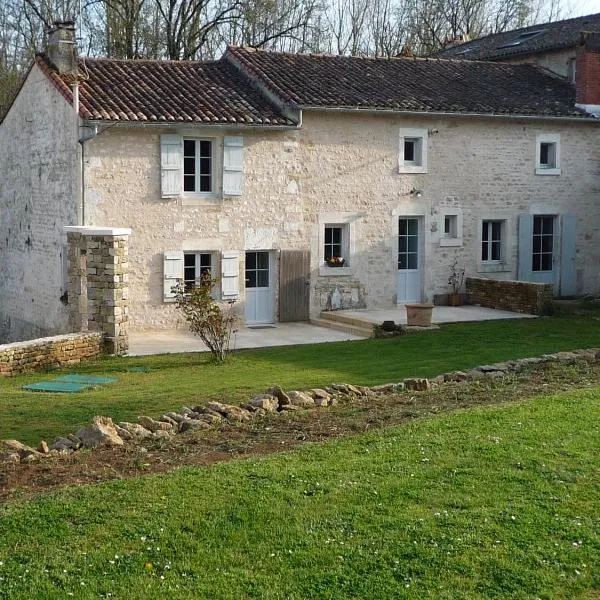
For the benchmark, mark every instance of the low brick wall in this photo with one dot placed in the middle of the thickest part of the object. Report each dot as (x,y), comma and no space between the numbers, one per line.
(518,296)
(57,351)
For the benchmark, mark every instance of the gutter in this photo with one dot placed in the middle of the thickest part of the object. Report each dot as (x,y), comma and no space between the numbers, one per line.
(430,114)
(105,124)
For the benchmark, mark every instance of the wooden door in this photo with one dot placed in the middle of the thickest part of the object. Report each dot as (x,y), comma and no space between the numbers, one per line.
(294,285)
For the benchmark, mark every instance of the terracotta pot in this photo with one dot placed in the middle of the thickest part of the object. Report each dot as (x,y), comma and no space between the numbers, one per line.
(455,299)
(419,315)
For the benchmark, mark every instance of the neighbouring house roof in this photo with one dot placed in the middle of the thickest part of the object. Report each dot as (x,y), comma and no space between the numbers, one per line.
(408,84)
(528,40)
(165,92)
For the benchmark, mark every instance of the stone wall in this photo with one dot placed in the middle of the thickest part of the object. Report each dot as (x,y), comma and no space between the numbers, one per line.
(480,168)
(50,352)
(98,283)
(38,157)
(518,296)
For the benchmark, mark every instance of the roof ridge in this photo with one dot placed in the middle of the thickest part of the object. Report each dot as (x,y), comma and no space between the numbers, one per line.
(372,58)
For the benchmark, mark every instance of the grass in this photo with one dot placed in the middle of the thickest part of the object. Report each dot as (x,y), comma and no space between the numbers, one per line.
(491,503)
(175,380)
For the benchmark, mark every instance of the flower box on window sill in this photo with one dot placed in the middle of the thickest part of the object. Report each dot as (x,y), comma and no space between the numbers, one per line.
(336,262)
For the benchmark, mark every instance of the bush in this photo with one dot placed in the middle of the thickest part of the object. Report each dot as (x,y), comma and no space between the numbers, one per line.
(212,321)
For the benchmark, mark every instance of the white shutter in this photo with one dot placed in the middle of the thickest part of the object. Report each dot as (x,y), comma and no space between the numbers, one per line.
(171,165)
(233,165)
(230,275)
(173,273)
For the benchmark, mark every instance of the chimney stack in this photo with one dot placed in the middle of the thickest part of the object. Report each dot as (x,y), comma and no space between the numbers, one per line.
(587,72)
(61,48)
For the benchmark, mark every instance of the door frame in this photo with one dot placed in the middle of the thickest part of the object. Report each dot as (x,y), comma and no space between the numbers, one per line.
(420,216)
(272,287)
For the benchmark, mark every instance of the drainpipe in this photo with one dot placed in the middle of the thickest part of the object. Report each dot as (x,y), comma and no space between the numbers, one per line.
(79,165)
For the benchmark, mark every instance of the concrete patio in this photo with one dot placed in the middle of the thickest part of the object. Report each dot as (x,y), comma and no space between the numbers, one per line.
(289,334)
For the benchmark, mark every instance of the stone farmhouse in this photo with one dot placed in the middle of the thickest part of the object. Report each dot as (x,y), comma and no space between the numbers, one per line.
(305,182)
(552,46)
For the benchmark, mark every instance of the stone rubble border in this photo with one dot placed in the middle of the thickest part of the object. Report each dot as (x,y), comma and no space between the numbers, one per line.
(102,431)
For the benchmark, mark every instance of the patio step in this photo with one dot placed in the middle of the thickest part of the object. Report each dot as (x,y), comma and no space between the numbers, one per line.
(356,327)
(338,316)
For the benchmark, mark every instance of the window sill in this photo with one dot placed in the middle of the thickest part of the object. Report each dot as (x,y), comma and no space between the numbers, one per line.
(211,200)
(544,171)
(493,268)
(325,271)
(451,242)
(408,169)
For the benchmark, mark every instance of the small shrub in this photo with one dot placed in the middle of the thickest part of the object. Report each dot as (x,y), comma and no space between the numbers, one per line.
(212,321)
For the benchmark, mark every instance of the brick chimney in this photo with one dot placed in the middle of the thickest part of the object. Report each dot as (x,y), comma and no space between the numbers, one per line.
(61,48)
(587,73)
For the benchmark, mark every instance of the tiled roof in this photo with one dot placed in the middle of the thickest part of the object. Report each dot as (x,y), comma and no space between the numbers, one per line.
(166,91)
(528,40)
(407,84)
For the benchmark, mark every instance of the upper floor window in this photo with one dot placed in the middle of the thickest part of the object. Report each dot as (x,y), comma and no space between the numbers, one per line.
(198,171)
(413,151)
(547,154)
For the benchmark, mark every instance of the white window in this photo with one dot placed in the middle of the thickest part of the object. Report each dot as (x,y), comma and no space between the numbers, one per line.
(336,245)
(491,241)
(413,151)
(195,265)
(451,226)
(198,166)
(193,170)
(543,243)
(547,154)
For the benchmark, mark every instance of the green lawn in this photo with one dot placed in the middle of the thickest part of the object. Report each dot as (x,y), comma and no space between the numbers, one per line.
(499,502)
(175,380)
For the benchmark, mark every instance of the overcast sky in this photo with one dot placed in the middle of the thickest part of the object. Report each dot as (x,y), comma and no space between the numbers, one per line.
(584,7)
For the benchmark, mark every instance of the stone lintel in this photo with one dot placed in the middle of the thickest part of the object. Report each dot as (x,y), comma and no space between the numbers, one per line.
(97,230)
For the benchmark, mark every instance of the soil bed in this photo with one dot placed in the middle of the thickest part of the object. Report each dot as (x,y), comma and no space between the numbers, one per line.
(275,433)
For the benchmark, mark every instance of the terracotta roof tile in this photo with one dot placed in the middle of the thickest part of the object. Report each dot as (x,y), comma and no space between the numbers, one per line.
(166,91)
(408,84)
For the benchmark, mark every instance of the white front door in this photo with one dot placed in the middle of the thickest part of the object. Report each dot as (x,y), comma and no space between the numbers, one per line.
(259,289)
(409,275)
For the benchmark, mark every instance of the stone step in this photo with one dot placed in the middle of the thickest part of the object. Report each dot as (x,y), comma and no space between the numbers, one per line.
(366,331)
(339,317)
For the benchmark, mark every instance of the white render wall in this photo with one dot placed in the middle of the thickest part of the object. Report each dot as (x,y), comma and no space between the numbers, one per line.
(557,61)
(37,179)
(346,166)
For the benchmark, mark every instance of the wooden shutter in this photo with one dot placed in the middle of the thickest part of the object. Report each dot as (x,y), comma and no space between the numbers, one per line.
(172,273)
(233,165)
(230,275)
(525,248)
(171,164)
(294,285)
(568,278)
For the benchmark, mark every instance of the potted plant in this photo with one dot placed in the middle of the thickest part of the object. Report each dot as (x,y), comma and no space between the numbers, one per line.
(336,261)
(456,281)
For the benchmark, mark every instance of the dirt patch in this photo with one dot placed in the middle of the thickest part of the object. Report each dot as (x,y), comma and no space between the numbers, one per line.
(282,431)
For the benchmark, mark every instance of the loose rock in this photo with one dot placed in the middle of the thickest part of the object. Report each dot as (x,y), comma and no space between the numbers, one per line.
(300,399)
(153,425)
(100,432)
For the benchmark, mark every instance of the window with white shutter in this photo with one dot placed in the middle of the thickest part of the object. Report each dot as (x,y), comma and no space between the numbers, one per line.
(171,164)
(172,273)
(233,165)
(230,275)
